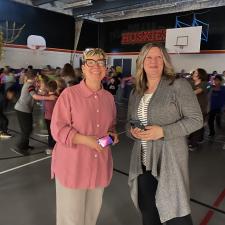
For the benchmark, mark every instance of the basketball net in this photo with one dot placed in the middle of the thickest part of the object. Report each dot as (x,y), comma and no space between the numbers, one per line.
(37,50)
(179,49)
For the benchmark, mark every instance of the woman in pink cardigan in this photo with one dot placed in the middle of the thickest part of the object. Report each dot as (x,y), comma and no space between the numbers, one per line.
(82,168)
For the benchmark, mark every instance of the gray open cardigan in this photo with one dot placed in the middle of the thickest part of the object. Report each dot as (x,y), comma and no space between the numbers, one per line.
(175,108)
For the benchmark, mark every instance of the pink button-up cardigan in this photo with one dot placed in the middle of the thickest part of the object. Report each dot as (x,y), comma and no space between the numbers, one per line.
(80,110)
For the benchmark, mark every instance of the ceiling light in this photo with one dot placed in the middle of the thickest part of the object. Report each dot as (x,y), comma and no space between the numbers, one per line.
(78,4)
(109,14)
(153,7)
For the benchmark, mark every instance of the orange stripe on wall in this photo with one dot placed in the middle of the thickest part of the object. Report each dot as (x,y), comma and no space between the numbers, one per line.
(110,54)
(47,49)
(123,53)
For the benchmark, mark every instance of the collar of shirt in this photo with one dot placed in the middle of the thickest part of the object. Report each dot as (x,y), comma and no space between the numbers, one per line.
(86,92)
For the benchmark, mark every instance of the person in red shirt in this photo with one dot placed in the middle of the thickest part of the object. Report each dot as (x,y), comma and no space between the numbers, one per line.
(48,109)
(82,168)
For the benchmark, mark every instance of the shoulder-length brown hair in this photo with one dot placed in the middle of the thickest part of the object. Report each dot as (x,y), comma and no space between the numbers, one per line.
(68,71)
(202,74)
(140,76)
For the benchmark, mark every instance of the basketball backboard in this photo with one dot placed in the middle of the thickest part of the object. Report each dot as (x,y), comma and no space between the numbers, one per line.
(36,42)
(183,40)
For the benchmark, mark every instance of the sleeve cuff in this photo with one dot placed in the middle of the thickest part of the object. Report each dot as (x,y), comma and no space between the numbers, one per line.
(69,139)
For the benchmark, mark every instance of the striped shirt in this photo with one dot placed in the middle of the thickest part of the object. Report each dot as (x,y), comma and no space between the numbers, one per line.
(142,116)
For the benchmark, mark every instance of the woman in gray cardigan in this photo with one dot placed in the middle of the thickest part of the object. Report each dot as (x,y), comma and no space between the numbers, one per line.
(162,111)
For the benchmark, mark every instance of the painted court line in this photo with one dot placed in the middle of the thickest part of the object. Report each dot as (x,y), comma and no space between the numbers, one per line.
(11,149)
(210,213)
(26,164)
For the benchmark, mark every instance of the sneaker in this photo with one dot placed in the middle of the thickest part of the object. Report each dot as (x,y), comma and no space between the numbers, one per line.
(30,147)
(201,142)
(192,148)
(5,135)
(48,151)
(211,134)
(22,152)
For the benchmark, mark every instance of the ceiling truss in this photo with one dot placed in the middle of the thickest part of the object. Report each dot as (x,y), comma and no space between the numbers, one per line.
(112,10)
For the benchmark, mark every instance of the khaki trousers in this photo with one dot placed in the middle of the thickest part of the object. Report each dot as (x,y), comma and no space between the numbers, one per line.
(77,206)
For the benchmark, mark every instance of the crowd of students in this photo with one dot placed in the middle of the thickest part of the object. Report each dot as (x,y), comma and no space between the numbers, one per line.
(26,86)
(210,93)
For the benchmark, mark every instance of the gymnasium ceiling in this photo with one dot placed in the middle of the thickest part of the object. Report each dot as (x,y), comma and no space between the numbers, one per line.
(111,10)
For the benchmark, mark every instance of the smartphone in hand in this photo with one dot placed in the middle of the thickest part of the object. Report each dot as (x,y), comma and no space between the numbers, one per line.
(137,124)
(106,140)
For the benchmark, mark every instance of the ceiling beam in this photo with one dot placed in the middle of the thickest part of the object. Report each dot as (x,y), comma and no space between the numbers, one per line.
(109,6)
(42,2)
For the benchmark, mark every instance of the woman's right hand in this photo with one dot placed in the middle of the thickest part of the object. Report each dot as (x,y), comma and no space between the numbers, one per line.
(91,141)
(136,132)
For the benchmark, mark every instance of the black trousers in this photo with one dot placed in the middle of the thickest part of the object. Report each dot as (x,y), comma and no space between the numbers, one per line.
(214,114)
(26,127)
(51,141)
(3,122)
(147,185)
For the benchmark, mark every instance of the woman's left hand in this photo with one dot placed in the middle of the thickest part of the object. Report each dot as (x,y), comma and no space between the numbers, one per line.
(115,137)
(151,133)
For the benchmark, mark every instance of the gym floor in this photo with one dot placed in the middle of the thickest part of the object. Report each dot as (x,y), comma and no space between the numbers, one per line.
(27,194)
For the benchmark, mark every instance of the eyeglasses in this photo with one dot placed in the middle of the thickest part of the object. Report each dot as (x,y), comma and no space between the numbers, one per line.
(92,62)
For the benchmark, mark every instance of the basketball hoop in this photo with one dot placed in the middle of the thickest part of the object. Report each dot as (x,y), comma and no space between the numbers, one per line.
(183,40)
(37,49)
(180,46)
(36,43)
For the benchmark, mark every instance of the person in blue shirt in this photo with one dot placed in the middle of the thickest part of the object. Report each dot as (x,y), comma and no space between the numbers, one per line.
(217,102)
